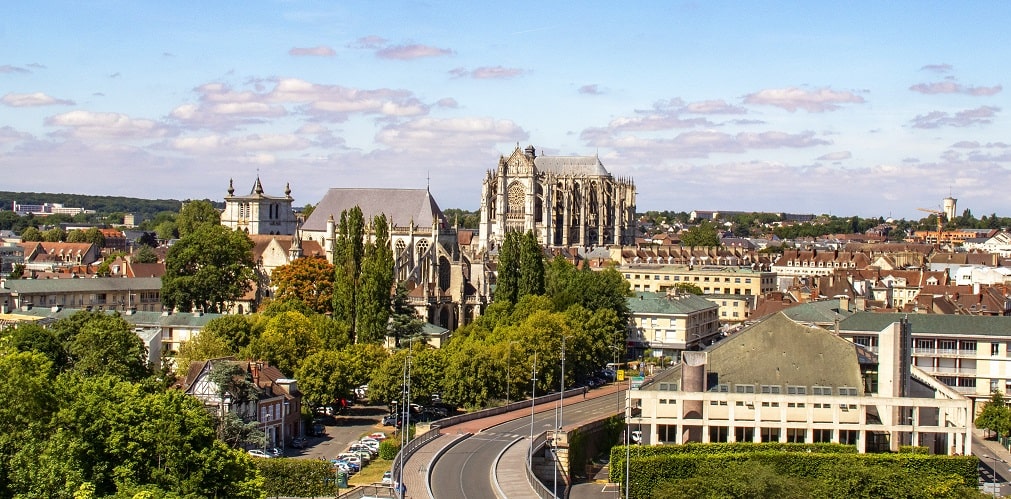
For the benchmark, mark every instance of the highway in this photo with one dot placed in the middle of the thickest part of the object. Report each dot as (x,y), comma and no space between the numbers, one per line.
(466,471)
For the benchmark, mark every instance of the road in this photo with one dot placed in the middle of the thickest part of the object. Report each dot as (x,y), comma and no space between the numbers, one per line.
(988,466)
(466,470)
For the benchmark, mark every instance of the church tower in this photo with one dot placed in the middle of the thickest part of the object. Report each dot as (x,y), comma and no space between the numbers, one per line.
(259,213)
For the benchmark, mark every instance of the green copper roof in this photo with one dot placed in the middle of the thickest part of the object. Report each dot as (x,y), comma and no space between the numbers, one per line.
(931,323)
(660,303)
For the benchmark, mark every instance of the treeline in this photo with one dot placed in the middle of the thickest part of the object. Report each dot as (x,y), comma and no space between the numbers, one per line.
(146,208)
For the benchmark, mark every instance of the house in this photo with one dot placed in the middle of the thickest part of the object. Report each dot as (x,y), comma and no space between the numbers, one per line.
(780,381)
(276,403)
(100,293)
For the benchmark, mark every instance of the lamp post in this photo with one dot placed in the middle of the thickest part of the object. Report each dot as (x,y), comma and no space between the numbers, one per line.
(509,366)
(993,470)
(533,399)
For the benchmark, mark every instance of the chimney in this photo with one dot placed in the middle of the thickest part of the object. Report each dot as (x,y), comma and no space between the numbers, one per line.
(254,369)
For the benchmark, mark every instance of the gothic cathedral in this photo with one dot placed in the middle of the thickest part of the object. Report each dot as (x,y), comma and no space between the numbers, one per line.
(568,201)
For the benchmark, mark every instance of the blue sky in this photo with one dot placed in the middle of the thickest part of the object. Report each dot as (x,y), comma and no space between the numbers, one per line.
(847,108)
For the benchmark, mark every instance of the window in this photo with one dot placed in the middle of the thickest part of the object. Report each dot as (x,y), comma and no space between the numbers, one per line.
(821,390)
(847,391)
(744,388)
(994,348)
(723,388)
(796,390)
(969,346)
(774,389)
(946,345)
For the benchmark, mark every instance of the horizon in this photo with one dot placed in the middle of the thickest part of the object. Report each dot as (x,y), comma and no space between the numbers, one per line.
(868,109)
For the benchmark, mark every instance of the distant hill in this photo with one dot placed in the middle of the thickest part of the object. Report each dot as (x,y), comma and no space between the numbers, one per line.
(146,208)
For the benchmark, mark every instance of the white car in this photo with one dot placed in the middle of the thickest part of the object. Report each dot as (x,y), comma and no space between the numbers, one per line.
(387,478)
(371,444)
(636,437)
(351,457)
(380,436)
(259,453)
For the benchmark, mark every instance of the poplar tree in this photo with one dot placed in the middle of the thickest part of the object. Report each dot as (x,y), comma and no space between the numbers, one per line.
(531,268)
(507,283)
(347,261)
(375,284)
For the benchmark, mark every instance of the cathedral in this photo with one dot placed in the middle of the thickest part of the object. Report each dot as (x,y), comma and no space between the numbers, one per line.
(567,201)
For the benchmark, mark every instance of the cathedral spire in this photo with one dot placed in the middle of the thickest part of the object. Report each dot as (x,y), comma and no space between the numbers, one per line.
(257,187)
(231,188)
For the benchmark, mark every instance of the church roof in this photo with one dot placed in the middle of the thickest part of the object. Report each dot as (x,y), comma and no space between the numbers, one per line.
(401,206)
(570,165)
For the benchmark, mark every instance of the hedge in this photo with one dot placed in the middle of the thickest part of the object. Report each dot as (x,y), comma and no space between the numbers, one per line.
(652,466)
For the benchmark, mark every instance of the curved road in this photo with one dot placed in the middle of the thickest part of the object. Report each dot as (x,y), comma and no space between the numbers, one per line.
(467,469)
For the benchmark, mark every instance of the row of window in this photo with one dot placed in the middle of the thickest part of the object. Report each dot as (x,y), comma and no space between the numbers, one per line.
(790,389)
(747,280)
(798,263)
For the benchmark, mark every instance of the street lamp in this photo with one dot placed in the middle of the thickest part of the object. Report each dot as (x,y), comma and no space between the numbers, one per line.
(509,366)
(993,471)
(533,400)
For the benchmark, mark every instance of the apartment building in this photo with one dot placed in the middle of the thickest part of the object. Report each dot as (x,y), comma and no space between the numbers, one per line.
(969,353)
(100,293)
(668,324)
(711,279)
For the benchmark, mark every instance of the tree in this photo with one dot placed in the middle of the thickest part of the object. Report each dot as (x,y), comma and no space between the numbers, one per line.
(207,268)
(507,282)
(375,284)
(76,236)
(404,320)
(166,230)
(688,288)
(701,235)
(287,339)
(31,234)
(106,345)
(326,376)
(347,254)
(234,330)
(307,210)
(144,254)
(54,235)
(995,415)
(205,346)
(94,236)
(195,214)
(307,279)
(531,266)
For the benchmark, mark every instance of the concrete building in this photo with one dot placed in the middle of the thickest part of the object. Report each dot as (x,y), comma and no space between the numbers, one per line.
(711,279)
(971,354)
(780,381)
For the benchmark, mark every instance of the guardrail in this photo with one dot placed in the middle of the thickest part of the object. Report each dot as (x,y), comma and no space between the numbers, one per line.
(409,450)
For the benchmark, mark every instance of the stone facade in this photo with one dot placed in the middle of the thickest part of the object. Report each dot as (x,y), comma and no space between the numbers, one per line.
(258,213)
(568,201)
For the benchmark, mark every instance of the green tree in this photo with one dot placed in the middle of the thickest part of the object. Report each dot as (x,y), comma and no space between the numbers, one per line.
(348,252)
(701,235)
(196,214)
(688,287)
(375,285)
(404,320)
(507,281)
(205,346)
(144,254)
(166,230)
(94,236)
(76,236)
(326,376)
(531,266)
(287,339)
(106,344)
(235,330)
(995,415)
(307,279)
(31,234)
(54,235)
(207,268)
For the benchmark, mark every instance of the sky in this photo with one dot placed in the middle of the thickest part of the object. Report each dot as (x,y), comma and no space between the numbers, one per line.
(842,108)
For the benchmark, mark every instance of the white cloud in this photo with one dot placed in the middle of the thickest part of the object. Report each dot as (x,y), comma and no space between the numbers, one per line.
(982,115)
(33,100)
(413,51)
(97,125)
(318,51)
(793,98)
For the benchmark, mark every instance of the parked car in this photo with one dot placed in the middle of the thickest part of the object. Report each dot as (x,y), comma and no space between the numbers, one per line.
(380,436)
(275,451)
(391,420)
(318,429)
(387,478)
(259,453)
(372,445)
(298,442)
(636,437)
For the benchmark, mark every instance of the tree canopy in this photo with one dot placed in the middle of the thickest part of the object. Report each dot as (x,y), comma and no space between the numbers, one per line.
(207,268)
(308,279)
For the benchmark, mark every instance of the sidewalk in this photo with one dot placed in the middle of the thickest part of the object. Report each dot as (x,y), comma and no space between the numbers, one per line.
(986,450)
(416,468)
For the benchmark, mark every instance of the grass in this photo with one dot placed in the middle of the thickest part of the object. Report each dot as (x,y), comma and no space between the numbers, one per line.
(372,472)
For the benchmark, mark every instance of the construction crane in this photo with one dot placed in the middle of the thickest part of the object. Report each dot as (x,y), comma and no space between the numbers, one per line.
(940,222)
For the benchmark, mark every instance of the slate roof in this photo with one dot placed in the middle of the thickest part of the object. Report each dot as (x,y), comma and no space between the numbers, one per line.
(571,165)
(660,303)
(818,312)
(948,325)
(82,285)
(401,206)
(138,318)
(779,351)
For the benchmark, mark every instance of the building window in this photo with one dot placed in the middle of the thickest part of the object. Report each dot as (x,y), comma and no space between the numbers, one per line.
(722,388)
(994,349)
(744,388)
(796,390)
(773,389)
(821,390)
(796,435)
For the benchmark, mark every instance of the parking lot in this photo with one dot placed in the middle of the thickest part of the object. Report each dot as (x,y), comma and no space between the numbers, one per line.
(341,430)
